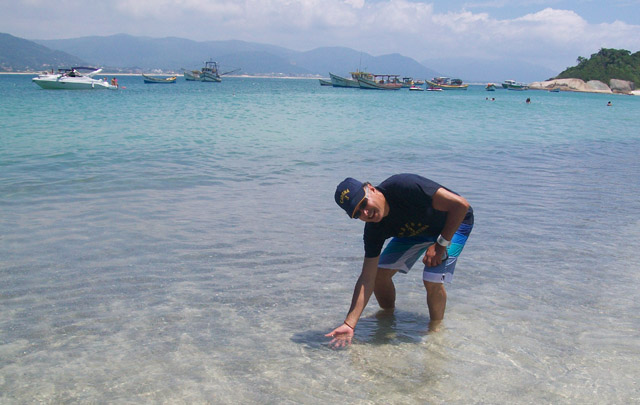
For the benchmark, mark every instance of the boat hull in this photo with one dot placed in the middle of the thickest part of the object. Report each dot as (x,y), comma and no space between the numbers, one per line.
(448,86)
(154,80)
(337,81)
(210,72)
(192,76)
(209,77)
(55,83)
(513,85)
(372,85)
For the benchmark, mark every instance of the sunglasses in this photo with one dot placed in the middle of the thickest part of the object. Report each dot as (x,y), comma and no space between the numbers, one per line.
(363,204)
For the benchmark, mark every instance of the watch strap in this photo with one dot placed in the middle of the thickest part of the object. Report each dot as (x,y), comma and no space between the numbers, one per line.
(442,241)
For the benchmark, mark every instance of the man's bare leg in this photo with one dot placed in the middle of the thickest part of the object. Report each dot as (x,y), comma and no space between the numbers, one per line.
(385,290)
(436,300)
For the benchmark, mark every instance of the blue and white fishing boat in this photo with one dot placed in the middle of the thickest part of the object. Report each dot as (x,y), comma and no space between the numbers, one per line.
(513,85)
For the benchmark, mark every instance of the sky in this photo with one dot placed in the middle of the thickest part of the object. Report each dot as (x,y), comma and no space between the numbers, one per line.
(548,33)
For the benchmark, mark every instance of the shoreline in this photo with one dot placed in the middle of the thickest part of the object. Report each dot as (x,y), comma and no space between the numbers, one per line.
(570,85)
(177,74)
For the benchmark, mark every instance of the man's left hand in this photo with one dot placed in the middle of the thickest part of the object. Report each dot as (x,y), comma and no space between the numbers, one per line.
(433,256)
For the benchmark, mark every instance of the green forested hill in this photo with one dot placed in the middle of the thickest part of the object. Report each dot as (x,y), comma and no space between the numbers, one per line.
(605,65)
(18,55)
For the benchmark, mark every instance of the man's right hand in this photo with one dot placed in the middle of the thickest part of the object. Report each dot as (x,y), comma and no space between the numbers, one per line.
(341,335)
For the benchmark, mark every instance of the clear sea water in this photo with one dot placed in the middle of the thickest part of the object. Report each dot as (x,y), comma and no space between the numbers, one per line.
(180,244)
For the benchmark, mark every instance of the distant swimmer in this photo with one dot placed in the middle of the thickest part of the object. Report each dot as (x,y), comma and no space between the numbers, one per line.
(609,104)
(528,100)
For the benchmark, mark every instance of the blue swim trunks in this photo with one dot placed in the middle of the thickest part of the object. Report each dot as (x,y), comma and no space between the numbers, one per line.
(402,253)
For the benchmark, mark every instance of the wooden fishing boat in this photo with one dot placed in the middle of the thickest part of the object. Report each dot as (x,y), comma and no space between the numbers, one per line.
(338,81)
(446,83)
(155,79)
(380,82)
(209,73)
(192,75)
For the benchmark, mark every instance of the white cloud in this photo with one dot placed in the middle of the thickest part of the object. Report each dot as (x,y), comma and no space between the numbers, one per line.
(168,8)
(355,3)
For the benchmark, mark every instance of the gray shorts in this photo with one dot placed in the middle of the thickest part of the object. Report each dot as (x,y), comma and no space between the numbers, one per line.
(402,253)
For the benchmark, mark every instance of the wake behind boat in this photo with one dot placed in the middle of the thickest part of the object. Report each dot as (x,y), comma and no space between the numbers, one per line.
(73,79)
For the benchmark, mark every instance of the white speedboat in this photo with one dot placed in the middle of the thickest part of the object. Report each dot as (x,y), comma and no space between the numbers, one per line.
(73,79)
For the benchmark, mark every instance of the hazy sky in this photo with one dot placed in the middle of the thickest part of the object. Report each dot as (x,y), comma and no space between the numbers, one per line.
(550,33)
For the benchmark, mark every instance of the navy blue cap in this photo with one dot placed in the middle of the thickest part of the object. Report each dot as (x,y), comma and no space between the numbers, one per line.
(349,194)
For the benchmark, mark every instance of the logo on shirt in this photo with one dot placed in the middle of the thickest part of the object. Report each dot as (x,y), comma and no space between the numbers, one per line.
(412,229)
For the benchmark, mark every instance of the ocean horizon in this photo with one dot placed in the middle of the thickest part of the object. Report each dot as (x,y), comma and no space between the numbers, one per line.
(179,243)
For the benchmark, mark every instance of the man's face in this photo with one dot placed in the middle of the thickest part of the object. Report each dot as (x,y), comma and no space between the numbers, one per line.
(371,209)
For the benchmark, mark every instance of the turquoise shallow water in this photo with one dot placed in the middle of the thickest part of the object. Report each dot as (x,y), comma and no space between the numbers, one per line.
(180,244)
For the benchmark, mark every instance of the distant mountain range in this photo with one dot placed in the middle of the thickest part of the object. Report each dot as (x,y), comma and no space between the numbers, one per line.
(17,55)
(128,54)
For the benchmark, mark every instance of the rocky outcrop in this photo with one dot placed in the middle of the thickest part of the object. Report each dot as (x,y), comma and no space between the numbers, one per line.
(593,86)
(621,86)
(597,85)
